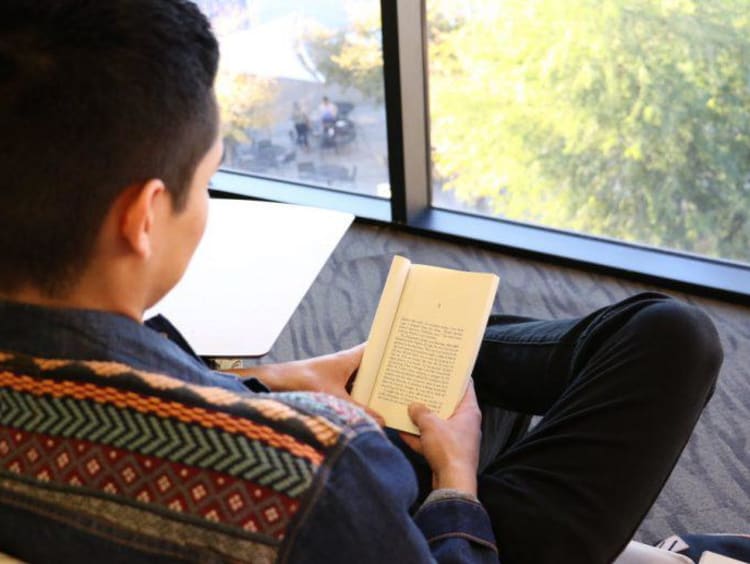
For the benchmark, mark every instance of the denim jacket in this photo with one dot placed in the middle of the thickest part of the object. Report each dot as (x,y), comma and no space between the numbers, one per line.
(357,510)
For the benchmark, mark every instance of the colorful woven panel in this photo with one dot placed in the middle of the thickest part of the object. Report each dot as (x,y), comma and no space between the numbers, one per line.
(192,465)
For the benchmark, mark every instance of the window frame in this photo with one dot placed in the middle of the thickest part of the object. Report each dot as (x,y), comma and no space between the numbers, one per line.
(410,207)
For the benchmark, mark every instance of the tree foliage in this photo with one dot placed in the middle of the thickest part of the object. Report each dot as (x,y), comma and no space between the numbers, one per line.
(352,58)
(246,102)
(621,118)
(624,118)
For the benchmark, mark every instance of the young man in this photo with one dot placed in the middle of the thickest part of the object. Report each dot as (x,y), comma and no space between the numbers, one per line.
(108,138)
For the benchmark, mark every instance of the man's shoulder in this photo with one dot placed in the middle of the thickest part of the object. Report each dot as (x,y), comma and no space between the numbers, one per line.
(275,410)
(184,467)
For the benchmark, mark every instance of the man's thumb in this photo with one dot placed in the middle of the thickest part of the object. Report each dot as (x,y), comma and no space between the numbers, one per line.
(420,414)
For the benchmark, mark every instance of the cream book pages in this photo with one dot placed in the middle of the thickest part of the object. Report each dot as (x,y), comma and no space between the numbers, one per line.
(424,340)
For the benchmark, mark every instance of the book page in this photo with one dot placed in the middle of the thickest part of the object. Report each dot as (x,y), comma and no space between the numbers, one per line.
(380,329)
(434,342)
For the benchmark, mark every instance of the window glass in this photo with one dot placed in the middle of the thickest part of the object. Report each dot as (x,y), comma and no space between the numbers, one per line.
(627,119)
(301,91)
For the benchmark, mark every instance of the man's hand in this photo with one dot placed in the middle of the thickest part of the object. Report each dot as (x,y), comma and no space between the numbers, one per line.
(330,374)
(450,446)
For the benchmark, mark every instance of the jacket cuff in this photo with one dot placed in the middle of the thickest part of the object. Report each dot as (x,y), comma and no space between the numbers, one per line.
(449,514)
(447,493)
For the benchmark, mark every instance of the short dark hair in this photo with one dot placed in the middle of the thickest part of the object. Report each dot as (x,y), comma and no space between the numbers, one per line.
(95,96)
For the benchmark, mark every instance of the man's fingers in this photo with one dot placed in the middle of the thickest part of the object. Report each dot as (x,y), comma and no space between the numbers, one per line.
(471,392)
(412,441)
(415,412)
(468,403)
(421,415)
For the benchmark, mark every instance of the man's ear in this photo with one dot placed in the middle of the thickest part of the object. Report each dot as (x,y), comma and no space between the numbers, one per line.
(139,214)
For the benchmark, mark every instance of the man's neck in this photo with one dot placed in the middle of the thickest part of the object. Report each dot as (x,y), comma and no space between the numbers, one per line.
(76,299)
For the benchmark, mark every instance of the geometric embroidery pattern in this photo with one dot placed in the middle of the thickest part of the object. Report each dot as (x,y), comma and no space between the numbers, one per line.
(203,447)
(150,481)
(65,425)
(326,431)
(58,415)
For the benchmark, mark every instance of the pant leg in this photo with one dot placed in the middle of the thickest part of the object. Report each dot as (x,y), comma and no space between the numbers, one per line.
(621,391)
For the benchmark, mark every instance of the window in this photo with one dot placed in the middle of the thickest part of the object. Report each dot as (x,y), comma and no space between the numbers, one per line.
(301,91)
(607,133)
(622,119)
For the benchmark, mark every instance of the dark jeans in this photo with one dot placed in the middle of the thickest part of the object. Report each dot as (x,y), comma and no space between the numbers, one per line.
(620,391)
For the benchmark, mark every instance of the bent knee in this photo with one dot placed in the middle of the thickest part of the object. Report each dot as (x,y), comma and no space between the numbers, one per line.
(684,333)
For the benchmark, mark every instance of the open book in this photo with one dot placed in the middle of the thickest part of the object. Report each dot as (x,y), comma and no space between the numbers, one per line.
(424,340)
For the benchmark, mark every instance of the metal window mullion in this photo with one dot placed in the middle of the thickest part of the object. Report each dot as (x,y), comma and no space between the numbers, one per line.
(405,64)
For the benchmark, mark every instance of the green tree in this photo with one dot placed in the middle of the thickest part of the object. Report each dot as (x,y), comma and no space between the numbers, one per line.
(246,102)
(352,58)
(623,118)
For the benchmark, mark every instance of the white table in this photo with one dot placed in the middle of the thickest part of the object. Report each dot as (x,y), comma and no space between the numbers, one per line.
(250,272)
